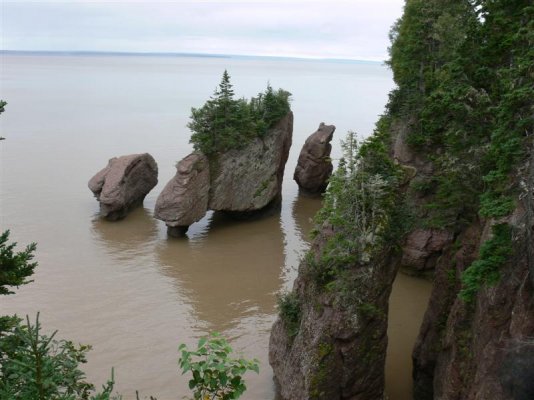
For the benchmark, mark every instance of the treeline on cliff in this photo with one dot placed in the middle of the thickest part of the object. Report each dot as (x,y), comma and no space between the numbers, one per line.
(465,73)
(463,115)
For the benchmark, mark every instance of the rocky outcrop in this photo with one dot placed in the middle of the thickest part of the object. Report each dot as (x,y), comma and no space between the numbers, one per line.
(422,250)
(184,200)
(123,184)
(314,166)
(339,349)
(248,179)
(478,350)
(241,182)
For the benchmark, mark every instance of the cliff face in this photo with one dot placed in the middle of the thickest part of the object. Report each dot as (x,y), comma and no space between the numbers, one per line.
(339,350)
(330,340)
(477,348)
(483,348)
(248,179)
(455,149)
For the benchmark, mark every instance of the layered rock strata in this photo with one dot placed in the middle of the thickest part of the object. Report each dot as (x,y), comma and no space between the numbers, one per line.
(314,166)
(123,184)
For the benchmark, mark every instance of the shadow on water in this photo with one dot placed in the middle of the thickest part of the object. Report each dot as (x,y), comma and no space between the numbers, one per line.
(229,274)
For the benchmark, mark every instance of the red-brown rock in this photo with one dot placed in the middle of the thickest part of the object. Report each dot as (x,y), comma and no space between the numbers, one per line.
(314,166)
(123,184)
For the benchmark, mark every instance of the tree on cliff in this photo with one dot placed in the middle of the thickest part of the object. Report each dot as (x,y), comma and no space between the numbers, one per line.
(461,125)
(225,123)
(216,124)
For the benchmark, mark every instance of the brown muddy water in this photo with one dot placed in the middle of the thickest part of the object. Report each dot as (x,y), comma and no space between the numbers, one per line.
(125,287)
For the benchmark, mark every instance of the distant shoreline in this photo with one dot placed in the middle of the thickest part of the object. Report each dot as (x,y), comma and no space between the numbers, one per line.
(182,55)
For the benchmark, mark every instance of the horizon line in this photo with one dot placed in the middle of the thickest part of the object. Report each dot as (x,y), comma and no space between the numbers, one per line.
(185,54)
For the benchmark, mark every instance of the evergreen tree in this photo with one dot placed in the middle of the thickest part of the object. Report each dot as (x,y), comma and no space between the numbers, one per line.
(224,123)
(465,72)
(15,268)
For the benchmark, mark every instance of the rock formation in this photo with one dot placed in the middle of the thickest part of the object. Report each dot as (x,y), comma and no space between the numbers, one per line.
(463,351)
(422,250)
(249,179)
(338,352)
(314,166)
(466,352)
(123,184)
(238,181)
(463,207)
(190,186)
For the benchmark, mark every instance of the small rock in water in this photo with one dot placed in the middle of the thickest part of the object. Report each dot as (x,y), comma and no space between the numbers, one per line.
(123,184)
(184,200)
(314,166)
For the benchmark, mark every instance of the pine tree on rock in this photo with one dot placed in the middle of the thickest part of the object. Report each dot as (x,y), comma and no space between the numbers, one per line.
(225,123)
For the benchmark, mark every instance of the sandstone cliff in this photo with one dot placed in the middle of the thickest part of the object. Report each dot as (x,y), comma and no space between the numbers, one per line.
(468,348)
(460,128)
(330,340)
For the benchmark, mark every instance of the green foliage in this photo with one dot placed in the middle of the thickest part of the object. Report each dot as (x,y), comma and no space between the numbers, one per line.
(358,204)
(322,361)
(37,367)
(485,271)
(465,70)
(15,268)
(495,205)
(215,375)
(225,123)
(289,309)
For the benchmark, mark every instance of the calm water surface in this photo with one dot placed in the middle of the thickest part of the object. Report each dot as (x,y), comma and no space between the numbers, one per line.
(126,288)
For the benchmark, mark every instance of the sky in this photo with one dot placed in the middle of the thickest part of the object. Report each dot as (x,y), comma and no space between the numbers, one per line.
(356,29)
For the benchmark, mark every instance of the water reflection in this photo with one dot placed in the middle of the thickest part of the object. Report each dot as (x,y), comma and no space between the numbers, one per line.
(129,237)
(230,274)
(304,210)
(296,224)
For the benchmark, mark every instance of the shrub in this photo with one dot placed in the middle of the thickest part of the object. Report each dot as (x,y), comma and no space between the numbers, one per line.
(289,309)
(359,205)
(215,374)
(37,367)
(493,254)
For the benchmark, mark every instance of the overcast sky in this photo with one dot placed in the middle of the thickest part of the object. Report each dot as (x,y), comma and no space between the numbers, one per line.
(356,29)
